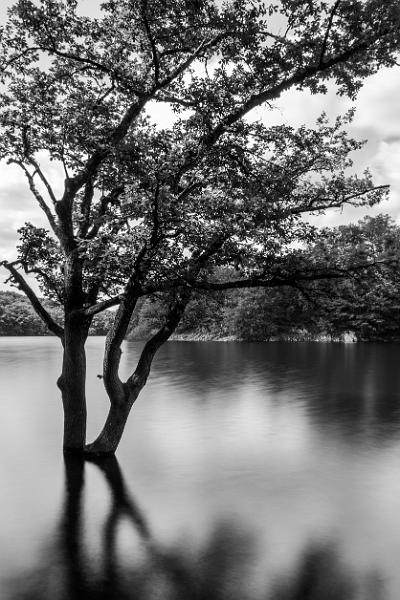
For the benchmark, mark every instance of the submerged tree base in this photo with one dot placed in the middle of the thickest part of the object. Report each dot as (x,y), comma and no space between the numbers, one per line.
(89,452)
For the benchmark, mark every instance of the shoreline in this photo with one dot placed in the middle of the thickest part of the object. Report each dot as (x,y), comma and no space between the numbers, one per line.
(204,338)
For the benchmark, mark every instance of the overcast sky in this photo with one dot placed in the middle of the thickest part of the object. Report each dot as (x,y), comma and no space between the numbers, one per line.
(377,119)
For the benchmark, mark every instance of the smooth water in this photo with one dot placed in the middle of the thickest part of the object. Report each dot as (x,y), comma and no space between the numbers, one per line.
(247,471)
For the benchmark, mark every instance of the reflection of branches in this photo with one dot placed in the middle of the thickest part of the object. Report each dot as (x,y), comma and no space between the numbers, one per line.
(217,571)
(71,528)
(122,506)
(123,503)
(321,575)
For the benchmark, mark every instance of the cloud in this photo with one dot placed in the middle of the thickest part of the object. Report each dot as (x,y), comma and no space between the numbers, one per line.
(386,166)
(7,240)
(162,114)
(377,105)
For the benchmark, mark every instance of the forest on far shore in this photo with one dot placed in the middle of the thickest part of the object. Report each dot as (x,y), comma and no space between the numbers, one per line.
(365,304)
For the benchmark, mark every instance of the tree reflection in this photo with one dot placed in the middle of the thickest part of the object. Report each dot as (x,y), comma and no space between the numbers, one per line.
(320,576)
(70,537)
(223,569)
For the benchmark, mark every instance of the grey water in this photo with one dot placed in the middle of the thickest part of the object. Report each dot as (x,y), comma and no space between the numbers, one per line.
(247,471)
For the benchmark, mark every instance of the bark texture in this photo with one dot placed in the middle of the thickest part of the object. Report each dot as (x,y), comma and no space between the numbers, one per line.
(72,384)
(73,378)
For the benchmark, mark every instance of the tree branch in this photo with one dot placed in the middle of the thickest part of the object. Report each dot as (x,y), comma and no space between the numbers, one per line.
(279,38)
(266,96)
(204,45)
(44,180)
(40,200)
(273,280)
(91,63)
(28,155)
(188,189)
(156,217)
(327,32)
(335,203)
(105,202)
(138,379)
(101,306)
(50,283)
(105,94)
(34,300)
(154,52)
(86,205)
(292,279)
(74,184)
(172,99)
(274,92)
(112,355)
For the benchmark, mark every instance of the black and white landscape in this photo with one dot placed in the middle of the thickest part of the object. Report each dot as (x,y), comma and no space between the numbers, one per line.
(200,316)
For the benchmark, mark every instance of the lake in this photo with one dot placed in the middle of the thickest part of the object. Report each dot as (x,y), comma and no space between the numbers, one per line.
(248,471)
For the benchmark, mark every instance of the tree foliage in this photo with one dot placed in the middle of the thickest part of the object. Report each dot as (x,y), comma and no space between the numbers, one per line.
(364,304)
(367,303)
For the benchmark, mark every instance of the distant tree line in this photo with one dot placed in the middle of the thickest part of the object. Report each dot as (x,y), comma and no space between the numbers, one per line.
(17,317)
(366,304)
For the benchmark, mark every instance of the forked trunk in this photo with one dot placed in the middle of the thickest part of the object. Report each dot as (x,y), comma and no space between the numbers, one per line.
(121,400)
(123,395)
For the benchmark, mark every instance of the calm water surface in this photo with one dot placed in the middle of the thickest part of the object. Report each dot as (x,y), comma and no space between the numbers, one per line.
(247,471)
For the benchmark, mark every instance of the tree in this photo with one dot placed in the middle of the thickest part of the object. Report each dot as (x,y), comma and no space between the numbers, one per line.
(367,305)
(146,209)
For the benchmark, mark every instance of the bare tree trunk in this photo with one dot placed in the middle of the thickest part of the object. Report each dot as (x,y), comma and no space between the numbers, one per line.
(72,383)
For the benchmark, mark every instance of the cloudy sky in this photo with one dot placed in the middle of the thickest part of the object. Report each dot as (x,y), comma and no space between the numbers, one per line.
(377,119)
